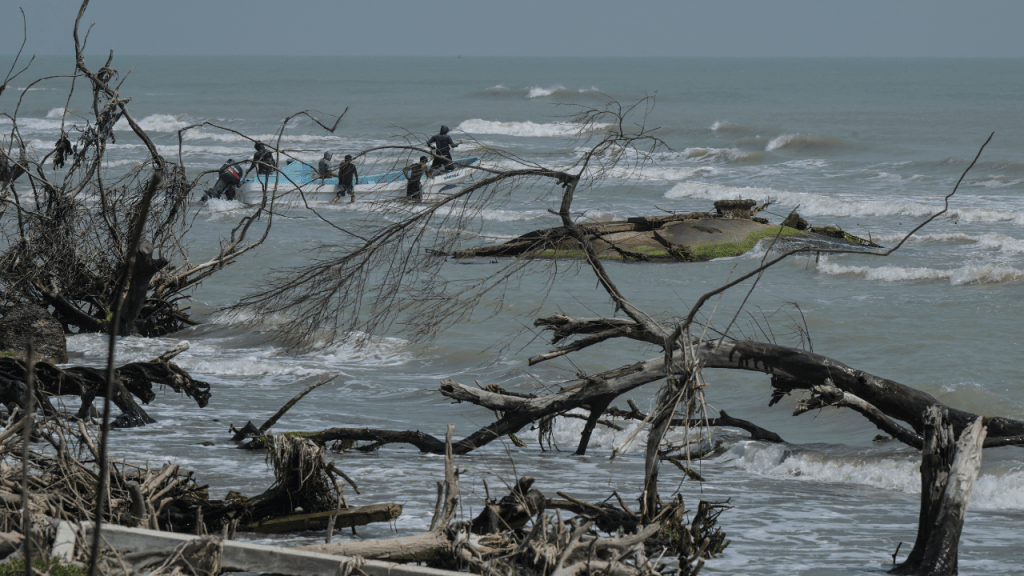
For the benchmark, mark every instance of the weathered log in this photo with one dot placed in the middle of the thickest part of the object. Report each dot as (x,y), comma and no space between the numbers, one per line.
(829,395)
(804,370)
(346,517)
(948,472)
(794,369)
(427,547)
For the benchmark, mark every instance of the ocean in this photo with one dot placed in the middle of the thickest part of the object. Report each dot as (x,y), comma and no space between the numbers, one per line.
(871,146)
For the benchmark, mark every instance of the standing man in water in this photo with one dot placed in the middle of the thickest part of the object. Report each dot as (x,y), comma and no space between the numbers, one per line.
(413,172)
(442,145)
(346,174)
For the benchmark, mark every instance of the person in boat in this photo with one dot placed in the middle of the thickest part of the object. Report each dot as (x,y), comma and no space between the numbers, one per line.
(348,177)
(413,172)
(262,160)
(228,178)
(324,169)
(441,144)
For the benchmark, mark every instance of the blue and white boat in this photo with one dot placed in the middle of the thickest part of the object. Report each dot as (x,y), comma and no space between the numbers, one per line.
(302,176)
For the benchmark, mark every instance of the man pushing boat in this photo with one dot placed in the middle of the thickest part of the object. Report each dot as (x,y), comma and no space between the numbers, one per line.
(413,173)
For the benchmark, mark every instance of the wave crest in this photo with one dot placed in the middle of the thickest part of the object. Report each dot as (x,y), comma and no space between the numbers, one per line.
(968,274)
(803,143)
(525,129)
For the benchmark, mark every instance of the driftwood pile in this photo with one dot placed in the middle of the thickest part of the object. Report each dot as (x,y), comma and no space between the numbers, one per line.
(131,381)
(519,534)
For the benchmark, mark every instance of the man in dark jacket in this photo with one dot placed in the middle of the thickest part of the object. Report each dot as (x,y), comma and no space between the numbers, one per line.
(442,145)
(324,168)
(262,160)
(413,172)
(348,177)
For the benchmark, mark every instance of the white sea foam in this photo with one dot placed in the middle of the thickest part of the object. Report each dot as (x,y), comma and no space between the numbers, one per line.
(713,154)
(806,142)
(991,241)
(992,491)
(171,150)
(968,274)
(210,134)
(818,204)
(537,91)
(156,123)
(653,173)
(56,113)
(36,125)
(722,126)
(780,460)
(526,129)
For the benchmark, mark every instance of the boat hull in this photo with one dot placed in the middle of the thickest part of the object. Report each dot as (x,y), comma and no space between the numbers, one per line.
(375,187)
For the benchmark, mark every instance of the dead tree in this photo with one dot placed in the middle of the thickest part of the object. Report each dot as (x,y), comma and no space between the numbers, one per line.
(948,472)
(67,220)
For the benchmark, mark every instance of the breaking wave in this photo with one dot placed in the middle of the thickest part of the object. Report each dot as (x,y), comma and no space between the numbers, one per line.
(535,91)
(968,274)
(525,129)
(993,241)
(993,491)
(201,134)
(804,143)
(714,154)
(156,123)
(730,127)
(817,204)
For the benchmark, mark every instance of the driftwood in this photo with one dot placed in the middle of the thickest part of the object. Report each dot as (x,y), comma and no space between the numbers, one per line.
(501,540)
(343,518)
(134,380)
(948,472)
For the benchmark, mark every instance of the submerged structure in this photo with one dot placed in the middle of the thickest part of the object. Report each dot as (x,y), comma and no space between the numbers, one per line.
(692,237)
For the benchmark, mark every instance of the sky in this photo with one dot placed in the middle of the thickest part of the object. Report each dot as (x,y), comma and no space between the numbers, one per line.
(525,28)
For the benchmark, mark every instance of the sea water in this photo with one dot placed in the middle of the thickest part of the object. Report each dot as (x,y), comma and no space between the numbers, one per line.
(871,146)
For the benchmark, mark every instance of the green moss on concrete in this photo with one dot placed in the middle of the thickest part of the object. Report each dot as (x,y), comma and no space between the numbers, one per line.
(653,251)
(728,249)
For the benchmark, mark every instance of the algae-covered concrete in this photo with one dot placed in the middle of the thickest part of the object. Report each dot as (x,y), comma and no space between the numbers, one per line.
(691,237)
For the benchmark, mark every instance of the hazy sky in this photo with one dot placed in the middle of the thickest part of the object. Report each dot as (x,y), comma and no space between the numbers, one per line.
(673,28)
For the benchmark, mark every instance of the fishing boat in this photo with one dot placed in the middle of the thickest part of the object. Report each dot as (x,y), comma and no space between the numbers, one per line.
(304,177)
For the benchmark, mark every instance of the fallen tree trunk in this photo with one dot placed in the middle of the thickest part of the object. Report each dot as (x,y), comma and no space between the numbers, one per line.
(344,518)
(797,369)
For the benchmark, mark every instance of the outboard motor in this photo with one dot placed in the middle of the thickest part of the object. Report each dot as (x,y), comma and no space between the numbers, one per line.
(228,180)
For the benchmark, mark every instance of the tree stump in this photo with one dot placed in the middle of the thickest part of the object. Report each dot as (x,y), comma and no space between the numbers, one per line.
(948,472)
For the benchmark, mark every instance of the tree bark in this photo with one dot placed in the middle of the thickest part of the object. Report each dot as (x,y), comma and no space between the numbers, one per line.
(135,296)
(948,472)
